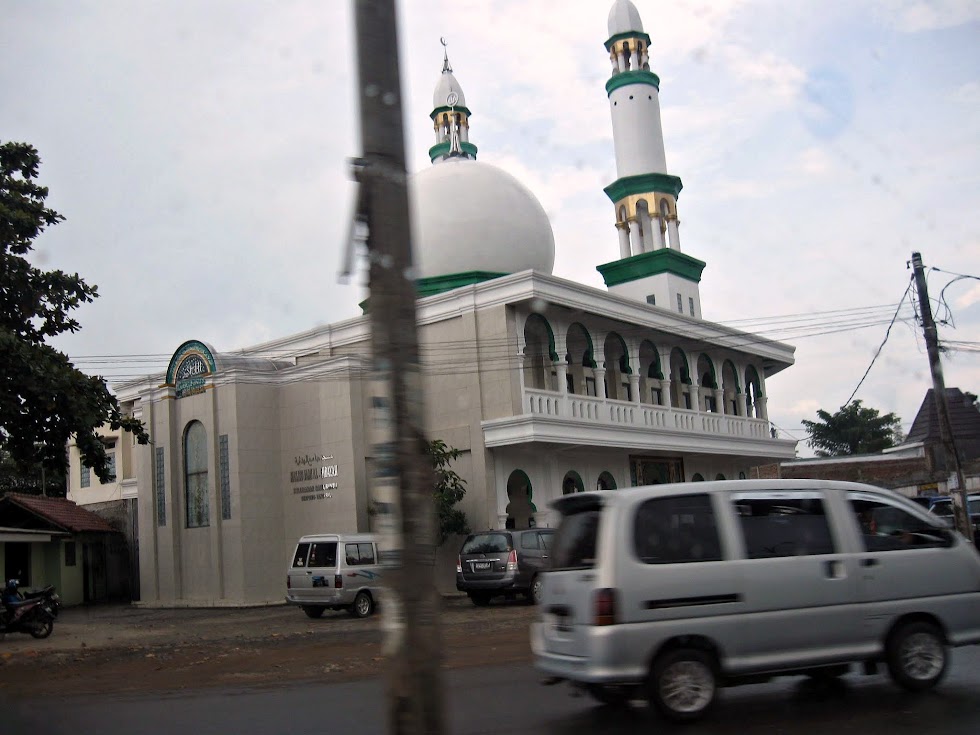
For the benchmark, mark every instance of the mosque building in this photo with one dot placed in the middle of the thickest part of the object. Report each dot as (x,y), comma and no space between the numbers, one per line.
(547,386)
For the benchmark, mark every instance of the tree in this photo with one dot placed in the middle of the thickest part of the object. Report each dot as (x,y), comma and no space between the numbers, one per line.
(449,490)
(854,429)
(44,398)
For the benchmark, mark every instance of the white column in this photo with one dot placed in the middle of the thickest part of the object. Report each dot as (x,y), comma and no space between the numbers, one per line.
(615,64)
(675,238)
(624,240)
(635,387)
(645,226)
(763,408)
(636,246)
(600,382)
(740,404)
(720,401)
(658,234)
(621,61)
(634,60)
(695,397)
(561,369)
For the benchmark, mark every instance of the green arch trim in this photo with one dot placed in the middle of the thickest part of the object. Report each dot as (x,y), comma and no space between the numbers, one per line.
(442,149)
(626,355)
(446,108)
(685,365)
(644,184)
(530,487)
(655,364)
(729,363)
(625,36)
(588,338)
(634,76)
(752,376)
(576,478)
(191,346)
(552,353)
(711,365)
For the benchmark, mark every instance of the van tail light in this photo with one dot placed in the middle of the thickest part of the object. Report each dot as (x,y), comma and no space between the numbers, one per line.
(338,581)
(605,607)
(459,565)
(512,561)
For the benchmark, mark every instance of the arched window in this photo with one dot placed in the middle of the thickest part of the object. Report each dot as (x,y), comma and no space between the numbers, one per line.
(698,477)
(719,476)
(606,482)
(196,475)
(520,509)
(572,483)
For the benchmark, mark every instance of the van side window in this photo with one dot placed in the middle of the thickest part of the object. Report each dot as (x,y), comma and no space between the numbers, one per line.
(360,553)
(886,527)
(323,554)
(575,542)
(783,526)
(546,539)
(301,552)
(676,530)
(530,541)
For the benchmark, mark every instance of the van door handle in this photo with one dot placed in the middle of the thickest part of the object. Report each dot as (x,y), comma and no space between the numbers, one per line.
(869,562)
(309,572)
(544,556)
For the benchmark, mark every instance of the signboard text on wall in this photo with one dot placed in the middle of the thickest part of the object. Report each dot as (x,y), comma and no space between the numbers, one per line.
(314,477)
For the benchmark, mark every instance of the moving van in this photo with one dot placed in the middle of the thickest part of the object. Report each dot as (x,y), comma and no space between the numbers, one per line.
(668,592)
(336,571)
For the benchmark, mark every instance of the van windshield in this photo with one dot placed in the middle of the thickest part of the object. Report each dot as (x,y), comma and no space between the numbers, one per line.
(574,545)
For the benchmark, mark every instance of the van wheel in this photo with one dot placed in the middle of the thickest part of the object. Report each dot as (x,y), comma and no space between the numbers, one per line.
(534,593)
(917,656)
(480,599)
(682,684)
(313,611)
(363,605)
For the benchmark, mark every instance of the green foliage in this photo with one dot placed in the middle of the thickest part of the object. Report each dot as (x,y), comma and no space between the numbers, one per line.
(854,429)
(449,490)
(35,480)
(44,399)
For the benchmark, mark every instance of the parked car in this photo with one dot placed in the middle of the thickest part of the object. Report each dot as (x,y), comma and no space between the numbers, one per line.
(942,506)
(503,563)
(336,571)
(673,591)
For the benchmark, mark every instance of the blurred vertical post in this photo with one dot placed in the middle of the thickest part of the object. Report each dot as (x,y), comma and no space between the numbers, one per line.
(955,482)
(410,608)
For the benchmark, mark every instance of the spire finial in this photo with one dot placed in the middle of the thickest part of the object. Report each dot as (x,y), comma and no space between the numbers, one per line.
(446,66)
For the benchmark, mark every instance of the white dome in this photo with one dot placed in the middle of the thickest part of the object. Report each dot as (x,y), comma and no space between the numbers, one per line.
(471,216)
(624,18)
(447,84)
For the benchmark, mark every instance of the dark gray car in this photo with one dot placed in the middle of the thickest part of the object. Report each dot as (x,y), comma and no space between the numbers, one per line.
(503,563)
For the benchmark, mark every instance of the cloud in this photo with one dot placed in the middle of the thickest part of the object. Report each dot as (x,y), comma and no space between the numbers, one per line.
(914,16)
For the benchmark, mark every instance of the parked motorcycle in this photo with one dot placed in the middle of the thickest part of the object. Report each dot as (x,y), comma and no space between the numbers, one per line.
(34,616)
(47,595)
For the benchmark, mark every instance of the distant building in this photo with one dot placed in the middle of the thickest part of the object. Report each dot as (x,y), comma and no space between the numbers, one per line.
(547,386)
(917,466)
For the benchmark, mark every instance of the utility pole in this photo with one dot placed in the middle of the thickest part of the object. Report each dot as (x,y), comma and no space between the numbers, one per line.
(955,482)
(403,474)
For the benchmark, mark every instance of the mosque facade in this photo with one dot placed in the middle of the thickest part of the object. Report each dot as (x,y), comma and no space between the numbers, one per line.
(545,385)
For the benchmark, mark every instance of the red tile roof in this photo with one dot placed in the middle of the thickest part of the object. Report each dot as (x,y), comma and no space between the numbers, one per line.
(60,512)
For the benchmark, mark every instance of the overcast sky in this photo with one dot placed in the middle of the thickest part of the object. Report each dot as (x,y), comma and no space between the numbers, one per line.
(198,151)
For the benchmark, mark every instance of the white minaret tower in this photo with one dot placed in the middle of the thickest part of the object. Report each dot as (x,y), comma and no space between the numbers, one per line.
(651,267)
(450,116)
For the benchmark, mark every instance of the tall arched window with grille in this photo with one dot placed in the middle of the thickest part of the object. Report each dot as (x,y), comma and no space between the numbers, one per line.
(196,475)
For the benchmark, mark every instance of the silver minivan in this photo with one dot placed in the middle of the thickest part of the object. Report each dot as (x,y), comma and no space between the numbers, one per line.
(668,592)
(336,571)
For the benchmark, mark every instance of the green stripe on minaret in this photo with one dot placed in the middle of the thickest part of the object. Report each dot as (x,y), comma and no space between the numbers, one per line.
(442,149)
(636,76)
(644,184)
(660,261)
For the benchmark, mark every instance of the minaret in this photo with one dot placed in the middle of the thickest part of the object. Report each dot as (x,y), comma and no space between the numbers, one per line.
(651,267)
(450,117)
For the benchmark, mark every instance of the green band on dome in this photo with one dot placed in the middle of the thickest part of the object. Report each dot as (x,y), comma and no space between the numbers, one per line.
(442,149)
(623,36)
(660,261)
(636,76)
(644,184)
(439,284)
(446,108)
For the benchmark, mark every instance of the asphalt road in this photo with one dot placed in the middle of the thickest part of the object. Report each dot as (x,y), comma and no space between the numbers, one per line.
(510,700)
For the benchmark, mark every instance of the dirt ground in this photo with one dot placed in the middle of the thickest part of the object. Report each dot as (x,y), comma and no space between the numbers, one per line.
(122,649)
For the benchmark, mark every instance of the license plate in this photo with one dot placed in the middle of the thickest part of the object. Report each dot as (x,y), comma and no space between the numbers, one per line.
(481,566)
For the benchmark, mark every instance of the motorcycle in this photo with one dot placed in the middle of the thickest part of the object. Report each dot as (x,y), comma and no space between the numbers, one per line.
(47,595)
(27,616)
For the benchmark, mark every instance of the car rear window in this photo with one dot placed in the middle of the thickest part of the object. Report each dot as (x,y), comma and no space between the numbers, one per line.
(299,558)
(487,543)
(574,544)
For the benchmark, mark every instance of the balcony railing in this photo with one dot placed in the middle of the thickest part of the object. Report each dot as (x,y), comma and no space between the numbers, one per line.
(642,415)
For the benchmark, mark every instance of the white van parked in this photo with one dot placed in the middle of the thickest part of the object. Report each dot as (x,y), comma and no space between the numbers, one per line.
(671,591)
(336,571)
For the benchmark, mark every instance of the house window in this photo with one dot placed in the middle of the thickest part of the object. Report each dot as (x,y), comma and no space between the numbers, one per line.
(656,396)
(69,553)
(86,478)
(680,304)
(652,299)
(590,387)
(690,303)
(224,474)
(627,391)
(160,488)
(111,464)
(196,475)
